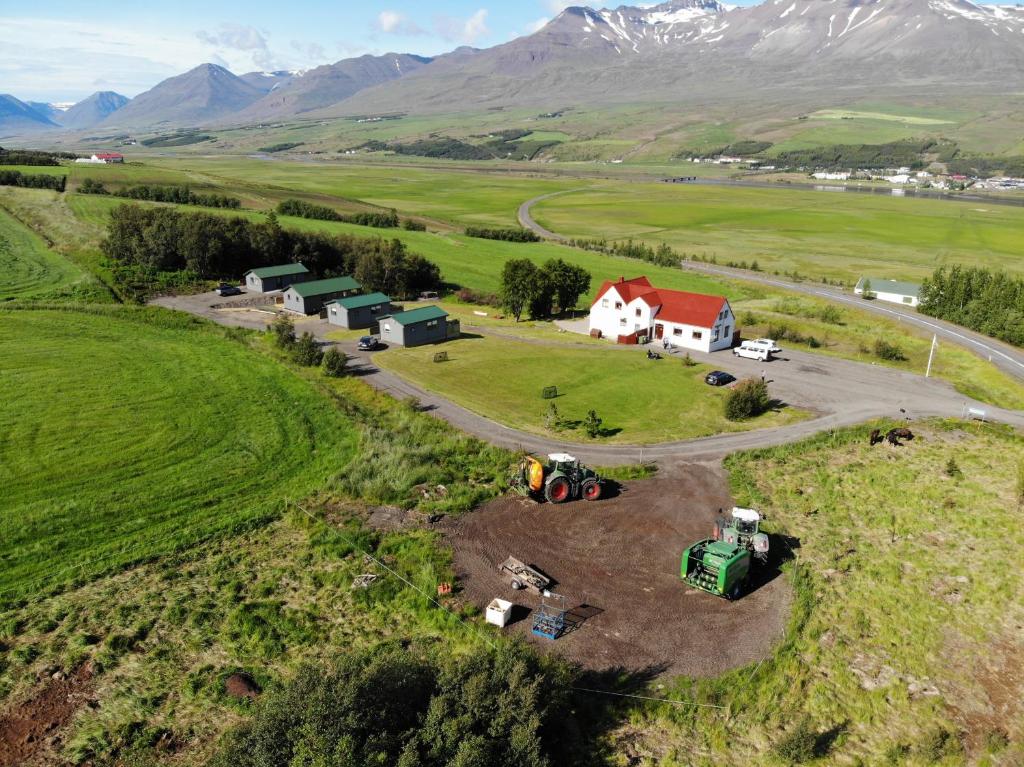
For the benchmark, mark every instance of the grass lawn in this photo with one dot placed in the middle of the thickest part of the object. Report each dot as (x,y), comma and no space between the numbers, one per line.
(906,647)
(30,268)
(639,400)
(813,233)
(129,434)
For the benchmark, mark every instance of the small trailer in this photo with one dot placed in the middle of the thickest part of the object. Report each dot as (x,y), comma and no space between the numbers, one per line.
(522,576)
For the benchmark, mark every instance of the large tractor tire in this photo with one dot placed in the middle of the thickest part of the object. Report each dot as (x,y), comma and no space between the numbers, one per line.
(558,490)
(591,490)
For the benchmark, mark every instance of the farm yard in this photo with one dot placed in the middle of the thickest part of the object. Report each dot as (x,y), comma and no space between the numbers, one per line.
(195,514)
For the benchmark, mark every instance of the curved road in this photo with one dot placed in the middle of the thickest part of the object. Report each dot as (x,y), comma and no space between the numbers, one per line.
(1007,358)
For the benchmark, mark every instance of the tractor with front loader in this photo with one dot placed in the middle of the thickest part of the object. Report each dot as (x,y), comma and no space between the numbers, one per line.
(559,479)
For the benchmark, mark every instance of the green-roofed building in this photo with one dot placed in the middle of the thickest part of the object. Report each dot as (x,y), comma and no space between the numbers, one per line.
(893,291)
(268,278)
(426,325)
(359,312)
(310,297)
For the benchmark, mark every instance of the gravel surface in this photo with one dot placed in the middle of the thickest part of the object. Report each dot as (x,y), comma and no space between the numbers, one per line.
(617,563)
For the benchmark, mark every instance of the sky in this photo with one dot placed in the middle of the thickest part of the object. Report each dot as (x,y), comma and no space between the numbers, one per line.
(64,50)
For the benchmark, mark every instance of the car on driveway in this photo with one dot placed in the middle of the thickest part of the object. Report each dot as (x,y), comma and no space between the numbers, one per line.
(368,343)
(228,290)
(719,378)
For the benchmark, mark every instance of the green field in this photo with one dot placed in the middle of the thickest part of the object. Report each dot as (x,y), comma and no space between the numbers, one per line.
(503,379)
(130,434)
(838,236)
(30,268)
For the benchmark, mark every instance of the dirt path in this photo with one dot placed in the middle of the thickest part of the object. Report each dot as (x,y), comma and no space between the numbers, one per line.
(29,732)
(617,563)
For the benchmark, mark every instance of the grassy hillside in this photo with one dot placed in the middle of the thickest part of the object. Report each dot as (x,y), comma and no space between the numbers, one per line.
(130,434)
(30,269)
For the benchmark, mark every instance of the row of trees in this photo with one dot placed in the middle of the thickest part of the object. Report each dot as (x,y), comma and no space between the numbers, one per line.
(33,157)
(179,195)
(32,180)
(539,289)
(502,708)
(506,235)
(989,301)
(663,255)
(301,208)
(145,242)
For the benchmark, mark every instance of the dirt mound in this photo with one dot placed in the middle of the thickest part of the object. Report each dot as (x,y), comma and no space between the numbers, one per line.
(617,562)
(29,730)
(242,686)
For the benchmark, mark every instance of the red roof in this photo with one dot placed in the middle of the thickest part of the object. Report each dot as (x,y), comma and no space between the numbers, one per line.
(676,305)
(109,156)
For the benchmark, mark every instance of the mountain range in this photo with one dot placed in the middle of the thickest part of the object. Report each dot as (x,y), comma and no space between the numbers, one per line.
(680,51)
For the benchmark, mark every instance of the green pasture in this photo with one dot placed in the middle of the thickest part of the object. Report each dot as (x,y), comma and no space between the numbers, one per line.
(30,268)
(818,234)
(639,400)
(131,434)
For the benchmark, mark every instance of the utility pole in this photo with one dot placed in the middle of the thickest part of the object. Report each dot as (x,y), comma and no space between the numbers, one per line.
(931,355)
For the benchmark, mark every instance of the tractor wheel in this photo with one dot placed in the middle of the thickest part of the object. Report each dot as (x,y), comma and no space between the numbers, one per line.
(557,490)
(591,490)
(736,593)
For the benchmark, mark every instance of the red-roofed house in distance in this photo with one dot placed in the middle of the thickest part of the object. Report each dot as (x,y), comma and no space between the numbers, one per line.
(632,311)
(109,157)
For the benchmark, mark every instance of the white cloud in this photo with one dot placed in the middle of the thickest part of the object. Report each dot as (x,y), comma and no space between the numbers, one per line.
(537,26)
(240,37)
(465,31)
(395,23)
(557,6)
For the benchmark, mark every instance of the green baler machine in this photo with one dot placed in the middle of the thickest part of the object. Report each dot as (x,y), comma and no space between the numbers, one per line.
(716,567)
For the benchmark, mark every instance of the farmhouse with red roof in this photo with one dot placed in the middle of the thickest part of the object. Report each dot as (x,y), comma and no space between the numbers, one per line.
(630,311)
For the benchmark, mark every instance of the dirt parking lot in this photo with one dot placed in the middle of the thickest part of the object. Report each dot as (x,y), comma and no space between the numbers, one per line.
(617,562)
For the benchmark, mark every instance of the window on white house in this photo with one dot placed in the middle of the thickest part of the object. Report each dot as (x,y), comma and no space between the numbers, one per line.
(622,322)
(618,304)
(725,333)
(387,327)
(908,300)
(714,336)
(697,335)
(604,303)
(638,312)
(677,331)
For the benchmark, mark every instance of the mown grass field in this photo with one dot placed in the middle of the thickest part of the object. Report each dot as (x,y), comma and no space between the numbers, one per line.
(30,268)
(816,234)
(906,645)
(640,401)
(128,434)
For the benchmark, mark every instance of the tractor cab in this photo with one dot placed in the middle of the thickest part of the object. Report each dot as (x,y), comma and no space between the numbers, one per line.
(562,462)
(743,528)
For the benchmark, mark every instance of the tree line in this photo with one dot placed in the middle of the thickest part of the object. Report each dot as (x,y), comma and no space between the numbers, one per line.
(506,235)
(895,154)
(985,300)
(179,195)
(33,157)
(663,255)
(302,209)
(151,247)
(539,289)
(32,180)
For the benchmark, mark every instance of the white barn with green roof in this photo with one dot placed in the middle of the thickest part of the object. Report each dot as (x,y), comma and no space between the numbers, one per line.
(426,325)
(893,291)
(359,312)
(310,297)
(269,278)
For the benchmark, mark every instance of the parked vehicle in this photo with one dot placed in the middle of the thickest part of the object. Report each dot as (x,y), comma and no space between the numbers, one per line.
(224,289)
(368,343)
(719,378)
(716,567)
(562,478)
(759,349)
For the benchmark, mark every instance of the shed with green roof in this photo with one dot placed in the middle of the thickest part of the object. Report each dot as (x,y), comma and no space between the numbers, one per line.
(268,278)
(358,312)
(426,325)
(310,297)
(893,291)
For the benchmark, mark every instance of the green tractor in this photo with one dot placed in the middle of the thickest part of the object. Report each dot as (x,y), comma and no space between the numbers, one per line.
(743,529)
(716,567)
(561,479)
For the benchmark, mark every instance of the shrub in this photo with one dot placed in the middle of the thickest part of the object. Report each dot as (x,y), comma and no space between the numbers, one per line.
(478,297)
(552,418)
(688,361)
(889,351)
(413,226)
(592,425)
(335,362)
(306,351)
(831,315)
(953,469)
(749,318)
(507,235)
(283,328)
(92,186)
(797,745)
(748,399)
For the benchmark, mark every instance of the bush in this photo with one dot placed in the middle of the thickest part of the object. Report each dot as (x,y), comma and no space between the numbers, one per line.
(283,328)
(306,351)
(748,399)
(507,235)
(335,362)
(953,469)
(92,186)
(413,226)
(478,297)
(889,351)
(797,746)
(749,318)
(688,361)
(592,425)
(32,180)
(303,209)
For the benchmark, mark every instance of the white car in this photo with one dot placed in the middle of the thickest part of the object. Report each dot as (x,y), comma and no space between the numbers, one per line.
(759,349)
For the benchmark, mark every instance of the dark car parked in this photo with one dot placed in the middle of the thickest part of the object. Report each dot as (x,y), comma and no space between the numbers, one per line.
(368,343)
(719,378)
(228,290)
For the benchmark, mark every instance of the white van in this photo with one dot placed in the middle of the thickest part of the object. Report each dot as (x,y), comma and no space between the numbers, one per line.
(759,349)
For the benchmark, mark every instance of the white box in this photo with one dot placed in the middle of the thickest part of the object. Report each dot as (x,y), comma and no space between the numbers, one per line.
(499,612)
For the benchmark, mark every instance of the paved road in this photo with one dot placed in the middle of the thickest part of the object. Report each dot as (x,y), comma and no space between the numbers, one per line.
(837,392)
(1007,358)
